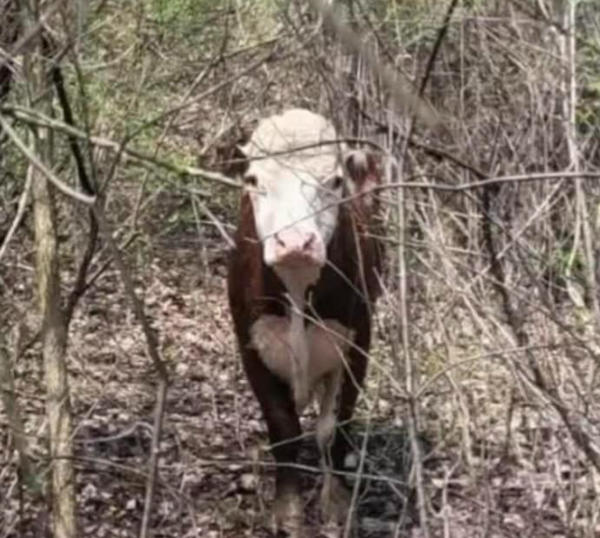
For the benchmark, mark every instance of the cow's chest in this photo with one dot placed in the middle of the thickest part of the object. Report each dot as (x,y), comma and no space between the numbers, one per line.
(320,349)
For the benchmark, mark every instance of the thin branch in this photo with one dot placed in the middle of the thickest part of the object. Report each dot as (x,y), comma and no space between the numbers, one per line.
(81,285)
(28,116)
(41,167)
(398,85)
(437,45)
(13,413)
(87,185)
(385,128)
(63,100)
(215,220)
(23,201)
(30,35)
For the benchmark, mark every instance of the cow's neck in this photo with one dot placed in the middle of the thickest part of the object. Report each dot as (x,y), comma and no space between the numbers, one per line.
(296,282)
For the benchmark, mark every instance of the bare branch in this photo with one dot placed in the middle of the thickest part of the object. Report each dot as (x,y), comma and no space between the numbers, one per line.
(23,201)
(31,34)
(28,116)
(398,85)
(32,158)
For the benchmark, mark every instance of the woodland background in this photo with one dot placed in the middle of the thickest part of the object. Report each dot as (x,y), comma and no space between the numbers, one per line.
(124,409)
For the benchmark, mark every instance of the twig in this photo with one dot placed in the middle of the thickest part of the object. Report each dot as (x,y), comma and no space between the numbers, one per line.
(436,47)
(398,85)
(44,121)
(30,35)
(28,116)
(63,99)
(23,201)
(215,220)
(516,323)
(41,167)
(197,81)
(79,286)
(13,413)
(102,269)
(360,471)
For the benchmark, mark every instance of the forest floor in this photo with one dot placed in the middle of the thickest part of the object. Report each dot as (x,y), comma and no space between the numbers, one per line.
(215,472)
(216,476)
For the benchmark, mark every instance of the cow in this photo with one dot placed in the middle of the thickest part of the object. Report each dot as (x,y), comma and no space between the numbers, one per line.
(302,282)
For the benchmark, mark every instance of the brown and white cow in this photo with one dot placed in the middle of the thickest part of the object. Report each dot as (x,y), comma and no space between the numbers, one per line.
(303,279)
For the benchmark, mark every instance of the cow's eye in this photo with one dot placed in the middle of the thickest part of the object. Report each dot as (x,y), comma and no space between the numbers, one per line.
(250,181)
(336,183)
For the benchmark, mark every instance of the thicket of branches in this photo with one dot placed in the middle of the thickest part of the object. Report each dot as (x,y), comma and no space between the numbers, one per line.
(119,123)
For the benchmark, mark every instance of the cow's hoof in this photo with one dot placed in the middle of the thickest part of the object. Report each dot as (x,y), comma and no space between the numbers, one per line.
(335,503)
(288,516)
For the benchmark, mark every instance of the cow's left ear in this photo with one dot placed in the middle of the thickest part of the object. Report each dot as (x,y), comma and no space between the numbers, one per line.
(363,169)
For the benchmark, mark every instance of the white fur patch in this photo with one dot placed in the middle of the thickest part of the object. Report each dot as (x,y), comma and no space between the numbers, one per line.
(326,343)
(299,131)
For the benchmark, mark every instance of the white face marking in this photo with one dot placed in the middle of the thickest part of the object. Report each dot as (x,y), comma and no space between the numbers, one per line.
(294,192)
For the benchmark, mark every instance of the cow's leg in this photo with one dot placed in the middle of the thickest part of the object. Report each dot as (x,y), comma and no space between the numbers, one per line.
(335,495)
(328,410)
(325,434)
(283,425)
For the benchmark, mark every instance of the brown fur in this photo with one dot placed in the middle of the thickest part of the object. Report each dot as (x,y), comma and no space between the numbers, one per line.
(345,292)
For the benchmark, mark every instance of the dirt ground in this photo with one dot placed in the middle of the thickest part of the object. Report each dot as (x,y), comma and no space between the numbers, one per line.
(216,475)
(215,472)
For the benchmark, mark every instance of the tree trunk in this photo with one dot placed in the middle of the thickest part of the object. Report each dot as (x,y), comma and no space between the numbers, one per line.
(53,330)
(54,343)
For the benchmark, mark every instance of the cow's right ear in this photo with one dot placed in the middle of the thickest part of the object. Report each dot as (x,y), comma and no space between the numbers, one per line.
(363,170)
(231,159)
(244,149)
(239,160)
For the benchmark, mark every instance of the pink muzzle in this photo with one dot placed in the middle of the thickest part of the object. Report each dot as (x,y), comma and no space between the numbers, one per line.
(294,248)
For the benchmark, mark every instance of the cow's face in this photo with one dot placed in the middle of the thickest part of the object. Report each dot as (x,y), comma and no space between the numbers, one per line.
(295,183)
(295,209)
(296,178)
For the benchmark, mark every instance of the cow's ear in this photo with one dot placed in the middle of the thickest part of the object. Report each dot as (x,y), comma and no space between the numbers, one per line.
(244,149)
(363,170)
(230,159)
(238,161)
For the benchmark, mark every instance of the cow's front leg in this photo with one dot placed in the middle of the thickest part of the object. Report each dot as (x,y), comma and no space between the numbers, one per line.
(335,498)
(288,507)
(283,424)
(328,411)
(335,502)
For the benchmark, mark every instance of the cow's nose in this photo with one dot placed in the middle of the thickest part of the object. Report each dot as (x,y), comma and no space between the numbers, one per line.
(296,249)
(309,241)
(279,240)
(304,244)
